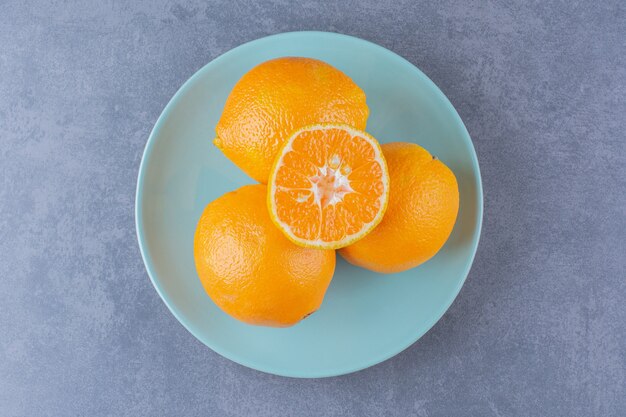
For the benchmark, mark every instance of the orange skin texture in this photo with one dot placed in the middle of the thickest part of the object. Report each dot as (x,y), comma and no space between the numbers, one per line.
(276,98)
(250,269)
(422,209)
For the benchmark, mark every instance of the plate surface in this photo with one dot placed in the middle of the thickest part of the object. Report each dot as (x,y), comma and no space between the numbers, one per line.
(366,317)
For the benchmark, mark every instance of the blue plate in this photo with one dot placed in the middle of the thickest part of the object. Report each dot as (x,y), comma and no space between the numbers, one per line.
(366,317)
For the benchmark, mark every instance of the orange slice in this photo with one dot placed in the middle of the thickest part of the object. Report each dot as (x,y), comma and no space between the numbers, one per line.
(329,186)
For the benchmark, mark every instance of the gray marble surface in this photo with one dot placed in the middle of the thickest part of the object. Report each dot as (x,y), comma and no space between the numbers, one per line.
(539,329)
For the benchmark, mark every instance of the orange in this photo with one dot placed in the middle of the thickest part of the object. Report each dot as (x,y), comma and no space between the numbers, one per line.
(328,186)
(248,267)
(422,210)
(276,98)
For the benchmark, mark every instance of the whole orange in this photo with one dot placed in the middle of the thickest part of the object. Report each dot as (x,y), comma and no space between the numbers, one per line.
(276,98)
(422,209)
(250,269)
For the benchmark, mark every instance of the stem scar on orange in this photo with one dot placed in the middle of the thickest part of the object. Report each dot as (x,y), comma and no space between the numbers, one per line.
(329,186)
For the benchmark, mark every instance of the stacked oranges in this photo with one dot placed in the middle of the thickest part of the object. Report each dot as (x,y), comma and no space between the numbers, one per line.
(265,253)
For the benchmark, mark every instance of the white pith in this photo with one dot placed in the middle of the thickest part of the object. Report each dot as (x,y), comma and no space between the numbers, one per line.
(339,173)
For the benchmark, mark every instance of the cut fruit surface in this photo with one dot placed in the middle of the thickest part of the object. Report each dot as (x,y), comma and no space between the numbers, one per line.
(329,186)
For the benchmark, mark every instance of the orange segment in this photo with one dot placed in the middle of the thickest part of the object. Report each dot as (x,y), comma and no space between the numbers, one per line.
(299,209)
(329,186)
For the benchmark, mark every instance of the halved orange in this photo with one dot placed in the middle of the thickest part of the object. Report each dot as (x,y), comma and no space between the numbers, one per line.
(329,186)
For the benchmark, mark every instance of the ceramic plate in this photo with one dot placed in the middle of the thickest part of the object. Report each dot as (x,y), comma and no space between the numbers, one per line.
(366,317)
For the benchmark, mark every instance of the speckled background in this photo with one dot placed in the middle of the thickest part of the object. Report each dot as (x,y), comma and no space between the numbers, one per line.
(539,328)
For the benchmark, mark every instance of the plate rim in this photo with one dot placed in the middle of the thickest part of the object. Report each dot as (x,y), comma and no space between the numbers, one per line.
(148,262)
